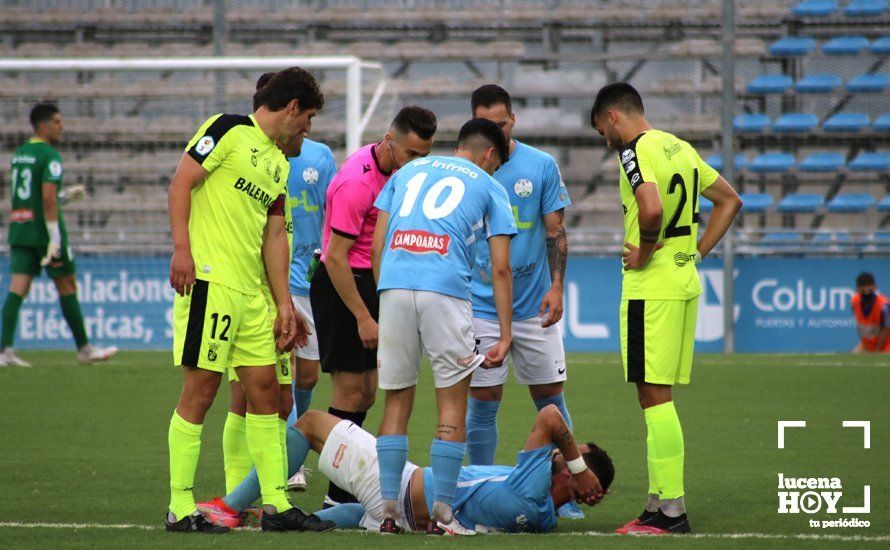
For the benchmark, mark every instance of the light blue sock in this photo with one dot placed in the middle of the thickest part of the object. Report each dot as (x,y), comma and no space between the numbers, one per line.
(249,490)
(482,431)
(446,458)
(346,516)
(560,402)
(302,400)
(392,453)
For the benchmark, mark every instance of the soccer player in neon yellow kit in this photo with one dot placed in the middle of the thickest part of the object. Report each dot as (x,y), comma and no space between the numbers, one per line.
(227,203)
(660,181)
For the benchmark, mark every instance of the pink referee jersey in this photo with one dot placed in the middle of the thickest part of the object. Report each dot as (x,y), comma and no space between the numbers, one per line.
(349,205)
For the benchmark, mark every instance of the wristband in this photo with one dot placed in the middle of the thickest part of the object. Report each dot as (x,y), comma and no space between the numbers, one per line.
(576,466)
(52,228)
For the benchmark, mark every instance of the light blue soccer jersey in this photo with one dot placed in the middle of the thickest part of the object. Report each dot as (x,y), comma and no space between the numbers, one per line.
(534,185)
(310,174)
(439,208)
(507,498)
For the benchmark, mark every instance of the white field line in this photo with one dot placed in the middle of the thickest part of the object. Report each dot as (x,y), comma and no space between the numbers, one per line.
(759,536)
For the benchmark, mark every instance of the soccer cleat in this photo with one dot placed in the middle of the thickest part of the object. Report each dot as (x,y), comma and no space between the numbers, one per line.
(9,358)
(195,523)
(218,512)
(570,510)
(297,482)
(450,529)
(643,519)
(294,519)
(390,527)
(95,354)
(662,525)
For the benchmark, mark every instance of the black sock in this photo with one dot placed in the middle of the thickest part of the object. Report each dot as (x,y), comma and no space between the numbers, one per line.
(335,493)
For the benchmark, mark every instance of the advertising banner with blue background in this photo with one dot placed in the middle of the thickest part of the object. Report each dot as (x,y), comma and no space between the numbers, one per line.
(781,304)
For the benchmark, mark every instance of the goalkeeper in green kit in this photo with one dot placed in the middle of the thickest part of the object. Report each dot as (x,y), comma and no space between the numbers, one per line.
(37,236)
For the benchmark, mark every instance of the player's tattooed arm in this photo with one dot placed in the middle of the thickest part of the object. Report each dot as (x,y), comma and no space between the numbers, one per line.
(557,245)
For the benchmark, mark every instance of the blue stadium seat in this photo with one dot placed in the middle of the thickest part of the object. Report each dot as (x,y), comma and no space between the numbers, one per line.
(868,161)
(818,83)
(828,237)
(845,45)
(815,8)
(880,45)
(822,162)
(851,203)
(882,123)
(796,122)
(772,162)
(769,84)
(877,82)
(882,237)
(704,205)
(715,161)
(756,202)
(884,205)
(801,202)
(866,8)
(751,122)
(846,122)
(782,237)
(792,45)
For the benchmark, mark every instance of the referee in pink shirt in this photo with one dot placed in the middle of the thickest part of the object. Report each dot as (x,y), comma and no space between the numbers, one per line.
(342,292)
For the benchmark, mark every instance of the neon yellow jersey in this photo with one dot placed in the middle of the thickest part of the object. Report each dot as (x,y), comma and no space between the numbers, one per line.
(247,177)
(681,175)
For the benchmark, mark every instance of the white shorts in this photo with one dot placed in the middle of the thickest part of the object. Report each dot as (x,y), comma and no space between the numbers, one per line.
(349,460)
(414,321)
(537,353)
(309,352)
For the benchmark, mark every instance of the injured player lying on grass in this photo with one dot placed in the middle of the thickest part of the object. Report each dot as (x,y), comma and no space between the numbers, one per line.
(488,499)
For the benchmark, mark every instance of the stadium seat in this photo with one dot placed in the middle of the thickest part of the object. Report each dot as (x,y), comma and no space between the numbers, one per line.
(865,8)
(815,8)
(876,82)
(772,162)
(818,83)
(884,204)
(704,205)
(769,84)
(755,122)
(715,161)
(828,237)
(801,202)
(869,161)
(822,162)
(792,46)
(846,122)
(851,203)
(782,237)
(756,202)
(796,122)
(882,237)
(882,123)
(880,46)
(845,45)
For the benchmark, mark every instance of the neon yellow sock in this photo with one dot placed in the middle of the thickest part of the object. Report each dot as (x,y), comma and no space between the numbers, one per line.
(264,442)
(282,435)
(184,440)
(236,457)
(667,438)
(650,460)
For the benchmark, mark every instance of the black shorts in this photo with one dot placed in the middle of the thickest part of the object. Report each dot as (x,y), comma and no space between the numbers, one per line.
(339,347)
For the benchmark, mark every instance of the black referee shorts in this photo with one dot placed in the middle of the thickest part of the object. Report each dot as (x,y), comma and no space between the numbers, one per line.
(339,346)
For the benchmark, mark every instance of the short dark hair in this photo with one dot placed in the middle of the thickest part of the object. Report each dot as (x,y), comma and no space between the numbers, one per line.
(865,279)
(289,84)
(600,463)
(617,94)
(488,131)
(41,112)
(418,120)
(260,82)
(488,95)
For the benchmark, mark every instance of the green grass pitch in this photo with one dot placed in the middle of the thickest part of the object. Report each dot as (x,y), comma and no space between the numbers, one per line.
(88,445)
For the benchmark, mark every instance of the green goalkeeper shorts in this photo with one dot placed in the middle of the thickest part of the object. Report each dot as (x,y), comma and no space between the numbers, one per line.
(25,260)
(657,340)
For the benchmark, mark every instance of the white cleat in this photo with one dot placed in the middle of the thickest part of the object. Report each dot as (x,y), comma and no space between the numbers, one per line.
(297,482)
(451,529)
(8,358)
(95,354)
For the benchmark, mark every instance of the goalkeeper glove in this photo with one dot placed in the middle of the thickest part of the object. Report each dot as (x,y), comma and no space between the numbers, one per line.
(54,249)
(71,194)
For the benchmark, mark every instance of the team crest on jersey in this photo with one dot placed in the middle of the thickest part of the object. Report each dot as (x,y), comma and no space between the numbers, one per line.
(267,164)
(310,175)
(420,242)
(212,352)
(285,370)
(523,187)
(627,155)
(277,175)
(205,145)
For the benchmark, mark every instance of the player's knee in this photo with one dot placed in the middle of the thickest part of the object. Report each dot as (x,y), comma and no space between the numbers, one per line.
(307,379)
(491,393)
